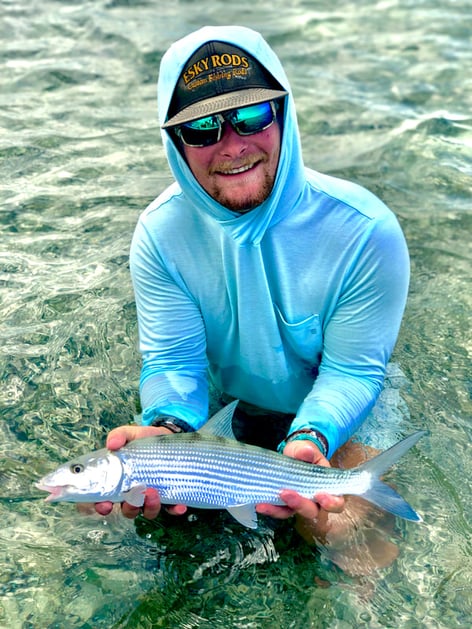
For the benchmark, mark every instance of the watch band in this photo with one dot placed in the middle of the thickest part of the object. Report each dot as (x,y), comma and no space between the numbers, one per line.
(174,424)
(307,434)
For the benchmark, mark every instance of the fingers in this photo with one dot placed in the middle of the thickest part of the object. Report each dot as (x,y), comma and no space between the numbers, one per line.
(273,511)
(152,504)
(118,437)
(150,510)
(177,509)
(103,508)
(333,504)
(303,507)
(296,504)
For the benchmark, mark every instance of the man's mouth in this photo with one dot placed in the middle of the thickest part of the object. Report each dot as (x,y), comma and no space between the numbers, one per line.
(235,170)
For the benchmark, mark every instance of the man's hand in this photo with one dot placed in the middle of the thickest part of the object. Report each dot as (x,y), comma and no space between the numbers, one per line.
(303,450)
(116,439)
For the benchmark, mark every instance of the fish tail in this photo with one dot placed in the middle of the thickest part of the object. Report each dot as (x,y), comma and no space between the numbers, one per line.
(383,495)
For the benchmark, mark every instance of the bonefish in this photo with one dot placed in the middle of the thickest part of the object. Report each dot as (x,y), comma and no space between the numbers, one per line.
(210,469)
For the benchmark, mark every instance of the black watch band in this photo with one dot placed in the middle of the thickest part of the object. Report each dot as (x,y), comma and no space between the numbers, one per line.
(174,424)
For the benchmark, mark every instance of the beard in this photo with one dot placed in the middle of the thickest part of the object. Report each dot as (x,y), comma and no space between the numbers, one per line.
(243,203)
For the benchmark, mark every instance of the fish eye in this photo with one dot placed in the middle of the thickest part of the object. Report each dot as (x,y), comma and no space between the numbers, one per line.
(76,468)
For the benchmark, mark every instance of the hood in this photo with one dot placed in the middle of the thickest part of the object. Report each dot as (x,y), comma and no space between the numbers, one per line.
(246,228)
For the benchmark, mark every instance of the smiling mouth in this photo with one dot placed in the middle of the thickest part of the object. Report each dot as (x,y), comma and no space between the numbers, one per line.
(237,171)
(222,170)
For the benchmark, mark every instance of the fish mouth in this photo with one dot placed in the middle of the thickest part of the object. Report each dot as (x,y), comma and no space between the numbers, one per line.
(55,491)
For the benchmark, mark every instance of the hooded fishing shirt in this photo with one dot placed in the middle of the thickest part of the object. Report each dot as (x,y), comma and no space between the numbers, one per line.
(293,307)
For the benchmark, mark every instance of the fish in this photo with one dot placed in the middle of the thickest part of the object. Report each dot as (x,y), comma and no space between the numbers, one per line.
(210,469)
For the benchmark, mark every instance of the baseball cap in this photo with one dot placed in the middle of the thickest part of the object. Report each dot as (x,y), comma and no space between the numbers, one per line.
(218,77)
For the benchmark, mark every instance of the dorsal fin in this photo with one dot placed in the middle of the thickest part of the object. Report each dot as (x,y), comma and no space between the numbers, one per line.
(220,424)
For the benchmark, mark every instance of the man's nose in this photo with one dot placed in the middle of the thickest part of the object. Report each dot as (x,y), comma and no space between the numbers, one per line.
(231,141)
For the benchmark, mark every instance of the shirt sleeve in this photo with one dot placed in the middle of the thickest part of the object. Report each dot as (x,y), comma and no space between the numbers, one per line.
(359,336)
(171,337)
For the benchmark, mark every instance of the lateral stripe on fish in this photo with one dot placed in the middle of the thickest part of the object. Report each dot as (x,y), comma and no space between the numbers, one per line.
(211,469)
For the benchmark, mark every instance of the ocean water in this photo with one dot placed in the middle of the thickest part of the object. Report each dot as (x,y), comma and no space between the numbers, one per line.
(384,95)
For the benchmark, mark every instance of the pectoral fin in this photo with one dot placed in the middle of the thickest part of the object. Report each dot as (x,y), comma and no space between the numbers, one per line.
(135,495)
(245,514)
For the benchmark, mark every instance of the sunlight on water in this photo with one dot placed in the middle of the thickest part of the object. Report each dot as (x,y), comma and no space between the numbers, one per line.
(383,99)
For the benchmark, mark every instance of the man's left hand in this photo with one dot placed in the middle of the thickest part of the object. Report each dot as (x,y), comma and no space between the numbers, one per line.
(296,504)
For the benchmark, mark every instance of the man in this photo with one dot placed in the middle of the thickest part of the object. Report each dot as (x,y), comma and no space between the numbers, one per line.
(281,286)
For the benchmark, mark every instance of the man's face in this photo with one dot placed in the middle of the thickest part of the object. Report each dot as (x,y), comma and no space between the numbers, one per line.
(238,171)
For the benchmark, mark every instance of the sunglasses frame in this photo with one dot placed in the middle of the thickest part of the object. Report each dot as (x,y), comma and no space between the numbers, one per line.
(225,117)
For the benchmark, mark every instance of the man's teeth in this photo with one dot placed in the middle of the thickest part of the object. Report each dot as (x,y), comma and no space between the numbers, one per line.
(236,171)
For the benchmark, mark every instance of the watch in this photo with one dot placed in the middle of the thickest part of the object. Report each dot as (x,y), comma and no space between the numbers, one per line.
(174,424)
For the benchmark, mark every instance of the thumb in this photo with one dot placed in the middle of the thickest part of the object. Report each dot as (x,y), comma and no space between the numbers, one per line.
(118,437)
(305,450)
(122,435)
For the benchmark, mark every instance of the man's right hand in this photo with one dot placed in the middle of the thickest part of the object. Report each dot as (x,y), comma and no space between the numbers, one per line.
(116,439)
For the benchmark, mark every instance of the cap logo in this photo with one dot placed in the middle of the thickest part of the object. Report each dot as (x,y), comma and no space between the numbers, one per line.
(215,67)
(219,76)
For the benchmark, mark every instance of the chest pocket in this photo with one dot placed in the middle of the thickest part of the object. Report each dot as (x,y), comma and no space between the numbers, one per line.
(303,337)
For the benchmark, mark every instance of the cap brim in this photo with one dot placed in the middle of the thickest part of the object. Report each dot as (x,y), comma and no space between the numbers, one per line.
(223,102)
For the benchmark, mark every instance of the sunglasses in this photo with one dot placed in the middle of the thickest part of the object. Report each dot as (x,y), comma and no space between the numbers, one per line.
(244,120)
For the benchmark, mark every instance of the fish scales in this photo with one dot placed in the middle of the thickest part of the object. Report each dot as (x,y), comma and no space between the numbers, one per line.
(210,469)
(223,472)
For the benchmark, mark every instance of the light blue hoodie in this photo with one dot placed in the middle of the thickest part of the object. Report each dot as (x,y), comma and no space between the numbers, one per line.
(294,306)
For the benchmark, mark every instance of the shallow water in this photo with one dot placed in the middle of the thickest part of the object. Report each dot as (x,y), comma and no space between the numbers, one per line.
(384,98)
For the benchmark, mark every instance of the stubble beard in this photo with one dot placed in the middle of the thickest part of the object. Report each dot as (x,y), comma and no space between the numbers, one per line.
(243,205)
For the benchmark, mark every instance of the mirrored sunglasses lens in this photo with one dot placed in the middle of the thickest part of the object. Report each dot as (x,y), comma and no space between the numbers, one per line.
(202,132)
(252,119)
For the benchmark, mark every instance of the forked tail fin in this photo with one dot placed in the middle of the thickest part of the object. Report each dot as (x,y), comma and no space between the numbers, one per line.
(381,494)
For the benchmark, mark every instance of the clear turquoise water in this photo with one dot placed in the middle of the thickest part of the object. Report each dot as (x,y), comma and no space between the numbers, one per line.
(384,97)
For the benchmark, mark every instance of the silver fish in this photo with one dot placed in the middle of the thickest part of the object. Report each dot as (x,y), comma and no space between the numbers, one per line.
(210,469)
